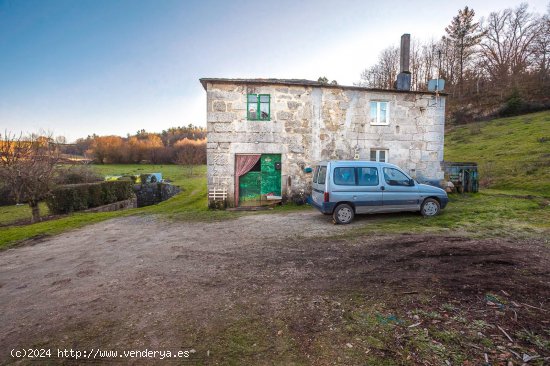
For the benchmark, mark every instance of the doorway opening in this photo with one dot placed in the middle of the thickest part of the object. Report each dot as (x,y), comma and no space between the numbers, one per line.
(261,185)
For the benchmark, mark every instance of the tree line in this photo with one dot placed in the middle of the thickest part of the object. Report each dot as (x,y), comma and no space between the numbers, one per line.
(498,64)
(32,165)
(178,145)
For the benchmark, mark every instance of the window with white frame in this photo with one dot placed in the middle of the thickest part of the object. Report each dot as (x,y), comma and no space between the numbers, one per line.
(379,113)
(380,155)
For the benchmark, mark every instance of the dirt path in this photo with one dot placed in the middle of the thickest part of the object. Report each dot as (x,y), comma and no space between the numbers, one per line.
(141,283)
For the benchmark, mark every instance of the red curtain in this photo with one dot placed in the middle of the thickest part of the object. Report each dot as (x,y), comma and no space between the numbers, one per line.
(243,164)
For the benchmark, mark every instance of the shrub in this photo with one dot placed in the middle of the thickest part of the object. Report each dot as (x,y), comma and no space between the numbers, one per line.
(122,190)
(77,175)
(6,197)
(514,105)
(95,195)
(76,197)
(474,128)
(461,116)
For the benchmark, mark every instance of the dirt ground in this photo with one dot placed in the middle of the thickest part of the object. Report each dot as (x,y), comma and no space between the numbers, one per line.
(277,289)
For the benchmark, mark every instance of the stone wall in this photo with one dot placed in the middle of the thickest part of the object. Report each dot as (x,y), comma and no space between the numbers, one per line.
(153,193)
(311,123)
(115,206)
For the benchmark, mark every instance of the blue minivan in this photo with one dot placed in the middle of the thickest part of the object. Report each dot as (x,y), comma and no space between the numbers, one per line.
(345,188)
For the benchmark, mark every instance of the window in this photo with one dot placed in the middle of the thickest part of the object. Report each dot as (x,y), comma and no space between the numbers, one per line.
(379,113)
(344,176)
(321,178)
(367,176)
(395,177)
(379,155)
(258,107)
(315,174)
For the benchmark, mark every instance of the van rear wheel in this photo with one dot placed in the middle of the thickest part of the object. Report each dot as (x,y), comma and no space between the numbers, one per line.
(343,214)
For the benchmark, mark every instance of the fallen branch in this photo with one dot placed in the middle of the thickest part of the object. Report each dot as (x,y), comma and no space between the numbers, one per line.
(515,354)
(414,325)
(534,307)
(506,334)
(474,346)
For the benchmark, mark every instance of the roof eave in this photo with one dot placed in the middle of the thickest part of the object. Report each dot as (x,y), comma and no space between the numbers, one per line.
(204,82)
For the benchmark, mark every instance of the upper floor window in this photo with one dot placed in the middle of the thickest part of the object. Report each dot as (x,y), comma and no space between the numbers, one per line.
(258,107)
(379,155)
(379,113)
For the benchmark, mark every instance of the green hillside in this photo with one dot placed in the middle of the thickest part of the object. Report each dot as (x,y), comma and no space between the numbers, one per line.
(512,153)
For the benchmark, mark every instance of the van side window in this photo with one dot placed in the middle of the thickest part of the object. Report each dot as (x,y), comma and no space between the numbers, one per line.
(321,178)
(315,174)
(367,176)
(344,176)
(395,178)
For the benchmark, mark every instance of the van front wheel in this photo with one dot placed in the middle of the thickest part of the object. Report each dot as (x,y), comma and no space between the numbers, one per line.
(343,214)
(430,207)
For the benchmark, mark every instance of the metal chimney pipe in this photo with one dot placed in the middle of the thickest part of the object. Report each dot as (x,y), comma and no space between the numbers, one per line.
(405,52)
(403,81)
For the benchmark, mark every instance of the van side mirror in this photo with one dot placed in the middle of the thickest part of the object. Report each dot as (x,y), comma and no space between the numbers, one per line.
(411,182)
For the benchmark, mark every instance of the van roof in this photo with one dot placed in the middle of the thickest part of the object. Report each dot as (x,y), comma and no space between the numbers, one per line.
(353,163)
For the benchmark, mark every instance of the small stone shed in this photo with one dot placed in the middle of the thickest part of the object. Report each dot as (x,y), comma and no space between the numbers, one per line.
(264,133)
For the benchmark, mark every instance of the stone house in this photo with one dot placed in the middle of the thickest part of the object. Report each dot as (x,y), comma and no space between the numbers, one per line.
(263,134)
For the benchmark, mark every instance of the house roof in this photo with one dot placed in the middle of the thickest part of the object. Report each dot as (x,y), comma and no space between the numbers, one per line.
(304,82)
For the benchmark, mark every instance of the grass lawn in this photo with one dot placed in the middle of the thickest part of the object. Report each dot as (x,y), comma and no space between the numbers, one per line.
(11,214)
(482,214)
(512,153)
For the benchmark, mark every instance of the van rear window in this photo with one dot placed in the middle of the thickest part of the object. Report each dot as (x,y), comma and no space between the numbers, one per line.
(322,176)
(315,173)
(344,176)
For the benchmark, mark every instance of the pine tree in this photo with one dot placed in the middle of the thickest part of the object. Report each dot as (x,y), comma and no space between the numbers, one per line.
(464,34)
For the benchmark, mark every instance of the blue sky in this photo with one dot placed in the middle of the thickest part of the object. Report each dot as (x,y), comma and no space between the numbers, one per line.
(77,67)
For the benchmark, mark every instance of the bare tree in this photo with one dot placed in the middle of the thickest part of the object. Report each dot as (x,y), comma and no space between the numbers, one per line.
(27,167)
(384,73)
(507,45)
(482,63)
(429,63)
(416,64)
(190,153)
(541,47)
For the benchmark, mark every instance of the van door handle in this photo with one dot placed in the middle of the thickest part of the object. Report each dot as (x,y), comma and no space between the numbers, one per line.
(382,188)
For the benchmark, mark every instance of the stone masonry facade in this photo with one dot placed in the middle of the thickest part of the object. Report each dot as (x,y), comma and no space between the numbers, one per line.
(312,122)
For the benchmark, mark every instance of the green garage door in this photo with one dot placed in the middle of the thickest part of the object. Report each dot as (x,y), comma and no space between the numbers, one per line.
(262,181)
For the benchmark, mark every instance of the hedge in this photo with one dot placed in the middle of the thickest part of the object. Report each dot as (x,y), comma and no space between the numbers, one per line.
(76,197)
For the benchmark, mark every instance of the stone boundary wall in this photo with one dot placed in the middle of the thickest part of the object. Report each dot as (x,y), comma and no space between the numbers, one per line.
(153,193)
(115,206)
